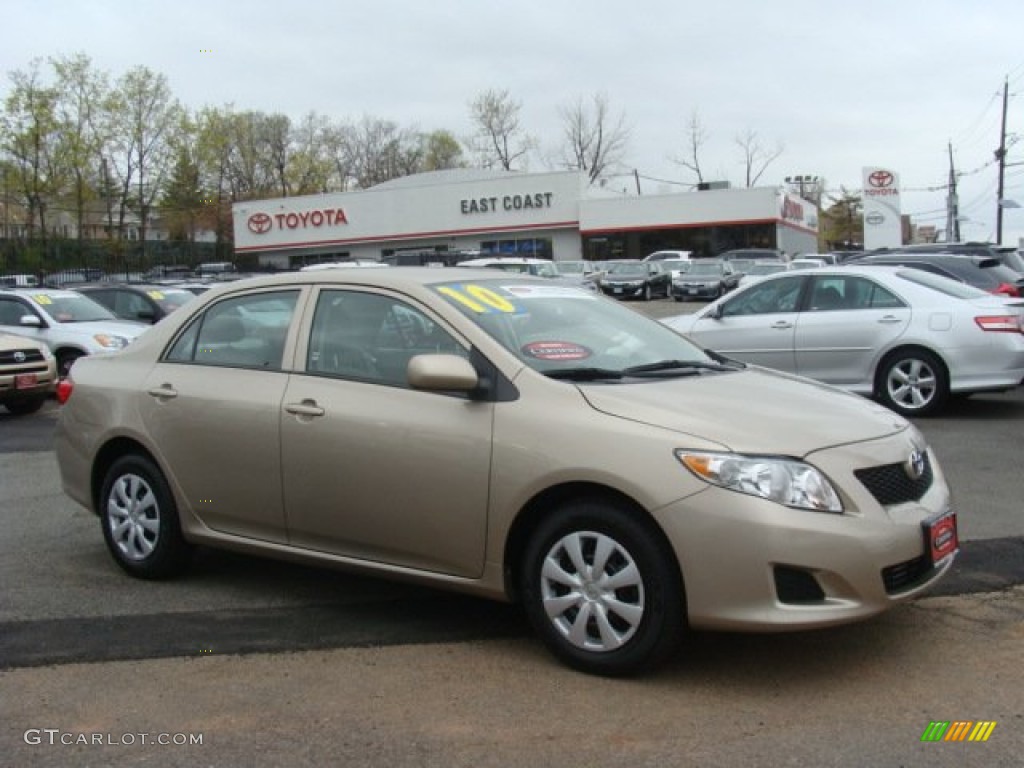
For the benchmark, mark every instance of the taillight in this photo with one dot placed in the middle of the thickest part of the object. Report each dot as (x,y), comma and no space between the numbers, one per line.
(1001,323)
(1006,289)
(64,389)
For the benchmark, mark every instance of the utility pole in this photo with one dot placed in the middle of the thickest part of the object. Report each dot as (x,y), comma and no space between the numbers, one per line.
(952,212)
(1001,157)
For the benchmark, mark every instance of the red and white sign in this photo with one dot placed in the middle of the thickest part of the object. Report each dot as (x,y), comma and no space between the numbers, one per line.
(261,223)
(882,225)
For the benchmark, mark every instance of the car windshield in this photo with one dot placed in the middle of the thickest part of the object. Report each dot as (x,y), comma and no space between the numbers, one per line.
(71,307)
(571,267)
(676,265)
(638,268)
(705,269)
(169,299)
(568,332)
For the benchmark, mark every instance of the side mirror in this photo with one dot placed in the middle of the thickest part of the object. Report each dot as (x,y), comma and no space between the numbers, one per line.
(442,373)
(715,313)
(31,321)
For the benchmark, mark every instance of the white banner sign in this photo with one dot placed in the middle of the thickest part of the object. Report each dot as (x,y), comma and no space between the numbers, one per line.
(882,225)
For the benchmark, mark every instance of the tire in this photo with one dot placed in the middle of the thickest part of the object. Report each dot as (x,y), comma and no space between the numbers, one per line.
(140,520)
(25,407)
(65,360)
(629,629)
(913,382)
(647,292)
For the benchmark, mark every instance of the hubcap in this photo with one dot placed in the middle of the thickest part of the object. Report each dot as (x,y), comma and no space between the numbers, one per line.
(133,517)
(592,591)
(912,384)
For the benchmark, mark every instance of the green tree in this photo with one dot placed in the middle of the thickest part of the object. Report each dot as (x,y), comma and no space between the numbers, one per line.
(842,224)
(442,151)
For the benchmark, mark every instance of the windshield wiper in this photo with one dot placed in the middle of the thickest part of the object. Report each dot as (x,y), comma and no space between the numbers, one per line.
(676,365)
(583,374)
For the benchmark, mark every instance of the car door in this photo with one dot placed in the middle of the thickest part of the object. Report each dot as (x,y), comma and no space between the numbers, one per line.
(212,407)
(372,469)
(846,320)
(756,325)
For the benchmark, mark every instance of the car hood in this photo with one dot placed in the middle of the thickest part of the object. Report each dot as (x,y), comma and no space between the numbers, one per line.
(787,415)
(127,328)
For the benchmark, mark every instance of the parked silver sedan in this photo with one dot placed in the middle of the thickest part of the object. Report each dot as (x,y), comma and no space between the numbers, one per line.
(907,337)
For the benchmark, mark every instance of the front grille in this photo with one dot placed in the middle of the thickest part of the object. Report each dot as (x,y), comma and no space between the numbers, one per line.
(31,356)
(907,574)
(890,483)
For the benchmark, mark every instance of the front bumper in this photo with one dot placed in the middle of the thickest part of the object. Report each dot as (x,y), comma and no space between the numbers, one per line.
(753,565)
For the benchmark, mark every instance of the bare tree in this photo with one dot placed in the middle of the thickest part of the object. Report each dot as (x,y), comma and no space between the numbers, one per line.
(696,136)
(500,140)
(756,157)
(594,142)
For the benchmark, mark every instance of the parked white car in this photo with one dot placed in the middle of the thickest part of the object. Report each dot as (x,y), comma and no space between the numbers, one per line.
(70,324)
(903,335)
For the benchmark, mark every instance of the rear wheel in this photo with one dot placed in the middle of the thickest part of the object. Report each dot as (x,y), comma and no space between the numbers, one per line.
(913,382)
(140,520)
(603,590)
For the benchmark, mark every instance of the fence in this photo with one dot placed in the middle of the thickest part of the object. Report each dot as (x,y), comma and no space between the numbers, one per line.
(108,257)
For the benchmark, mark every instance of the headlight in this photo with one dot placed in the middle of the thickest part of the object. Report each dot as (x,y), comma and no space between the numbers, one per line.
(108,341)
(786,481)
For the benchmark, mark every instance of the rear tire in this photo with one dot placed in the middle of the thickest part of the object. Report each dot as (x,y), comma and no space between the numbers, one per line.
(913,382)
(140,520)
(603,590)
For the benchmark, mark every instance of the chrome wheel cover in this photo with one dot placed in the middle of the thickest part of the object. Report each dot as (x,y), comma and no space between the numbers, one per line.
(911,384)
(592,591)
(133,517)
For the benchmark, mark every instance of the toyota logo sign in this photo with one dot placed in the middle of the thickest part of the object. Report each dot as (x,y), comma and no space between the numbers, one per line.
(260,223)
(881,179)
(19,356)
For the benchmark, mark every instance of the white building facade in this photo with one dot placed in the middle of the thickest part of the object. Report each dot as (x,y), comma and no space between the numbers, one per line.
(548,215)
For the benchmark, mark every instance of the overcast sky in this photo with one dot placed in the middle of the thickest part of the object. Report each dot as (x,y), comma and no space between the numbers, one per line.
(838,85)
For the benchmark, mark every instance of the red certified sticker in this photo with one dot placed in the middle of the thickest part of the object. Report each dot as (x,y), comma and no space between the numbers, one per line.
(556,350)
(942,537)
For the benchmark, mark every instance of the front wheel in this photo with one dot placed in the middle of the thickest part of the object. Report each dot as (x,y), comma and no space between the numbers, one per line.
(913,382)
(603,590)
(647,292)
(65,360)
(140,520)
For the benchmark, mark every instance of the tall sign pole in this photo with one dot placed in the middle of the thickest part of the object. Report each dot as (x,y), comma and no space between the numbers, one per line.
(1001,158)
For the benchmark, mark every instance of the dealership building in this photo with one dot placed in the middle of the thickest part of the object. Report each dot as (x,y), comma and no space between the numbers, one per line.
(547,215)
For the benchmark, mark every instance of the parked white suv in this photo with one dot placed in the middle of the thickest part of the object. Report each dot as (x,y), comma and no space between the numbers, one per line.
(70,324)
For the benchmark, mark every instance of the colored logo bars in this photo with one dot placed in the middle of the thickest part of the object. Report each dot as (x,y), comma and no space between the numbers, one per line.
(958,730)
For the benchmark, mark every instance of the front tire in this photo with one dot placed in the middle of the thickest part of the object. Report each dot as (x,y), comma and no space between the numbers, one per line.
(65,360)
(602,589)
(140,520)
(913,382)
(647,292)
(25,407)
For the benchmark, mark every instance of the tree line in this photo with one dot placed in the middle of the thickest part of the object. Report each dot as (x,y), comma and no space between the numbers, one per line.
(114,153)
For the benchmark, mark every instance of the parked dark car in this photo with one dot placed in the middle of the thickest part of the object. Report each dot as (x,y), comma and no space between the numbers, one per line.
(984,272)
(636,280)
(706,279)
(147,303)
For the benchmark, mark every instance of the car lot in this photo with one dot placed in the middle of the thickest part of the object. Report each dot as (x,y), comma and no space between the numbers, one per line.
(63,601)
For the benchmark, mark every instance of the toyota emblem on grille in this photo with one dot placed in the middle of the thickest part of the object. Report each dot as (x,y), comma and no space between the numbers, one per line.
(19,356)
(915,465)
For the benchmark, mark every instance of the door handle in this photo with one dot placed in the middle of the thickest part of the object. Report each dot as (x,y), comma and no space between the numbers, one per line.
(163,392)
(889,319)
(782,325)
(307,407)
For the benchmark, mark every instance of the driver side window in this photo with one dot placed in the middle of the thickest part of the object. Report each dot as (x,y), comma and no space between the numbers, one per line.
(768,297)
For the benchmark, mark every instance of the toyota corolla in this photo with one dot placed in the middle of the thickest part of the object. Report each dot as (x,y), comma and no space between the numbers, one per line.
(503,436)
